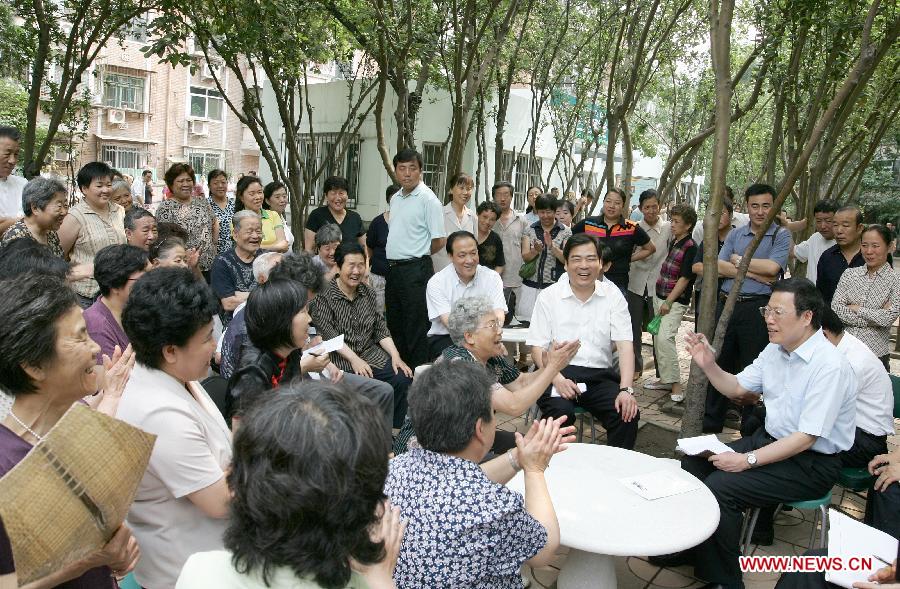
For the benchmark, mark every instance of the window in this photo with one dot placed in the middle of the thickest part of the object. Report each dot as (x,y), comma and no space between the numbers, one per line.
(121,91)
(204,162)
(434,167)
(506,169)
(326,152)
(528,173)
(206,103)
(136,29)
(123,157)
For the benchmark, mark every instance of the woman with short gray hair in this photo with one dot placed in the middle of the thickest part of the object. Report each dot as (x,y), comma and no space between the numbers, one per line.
(453,506)
(120,193)
(478,337)
(45,203)
(328,238)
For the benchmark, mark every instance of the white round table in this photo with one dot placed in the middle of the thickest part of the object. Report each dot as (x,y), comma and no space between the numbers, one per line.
(600,518)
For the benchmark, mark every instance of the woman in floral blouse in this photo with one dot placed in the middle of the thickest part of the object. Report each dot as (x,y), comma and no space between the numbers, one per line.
(867,298)
(193,213)
(46,204)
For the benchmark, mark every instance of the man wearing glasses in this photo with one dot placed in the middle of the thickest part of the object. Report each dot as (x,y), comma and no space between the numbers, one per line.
(581,307)
(464,277)
(809,391)
(746,335)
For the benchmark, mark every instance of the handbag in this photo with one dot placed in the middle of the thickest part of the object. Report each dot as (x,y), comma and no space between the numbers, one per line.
(528,269)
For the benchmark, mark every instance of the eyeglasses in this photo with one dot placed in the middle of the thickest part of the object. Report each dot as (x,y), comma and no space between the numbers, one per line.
(495,325)
(777,312)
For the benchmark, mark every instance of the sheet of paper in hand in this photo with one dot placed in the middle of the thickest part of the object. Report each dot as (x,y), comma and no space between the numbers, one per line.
(702,446)
(332,345)
(68,496)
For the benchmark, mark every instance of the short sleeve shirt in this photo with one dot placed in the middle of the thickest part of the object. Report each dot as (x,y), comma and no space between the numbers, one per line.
(548,269)
(463,530)
(621,238)
(20,230)
(271,222)
(104,329)
(197,218)
(224,217)
(445,288)
(229,275)
(96,232)
(490,252)
(775,245)
(11,196)
(810,390)
(499,366)
(191,452)
(511,235)
(831,266)
(351,226)
(416,219)
(376,240)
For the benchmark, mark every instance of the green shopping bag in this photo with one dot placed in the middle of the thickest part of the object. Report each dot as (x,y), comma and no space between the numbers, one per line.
(653,326)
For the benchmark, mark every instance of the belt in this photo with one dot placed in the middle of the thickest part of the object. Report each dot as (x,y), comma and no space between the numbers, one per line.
(744,298)
(396,263)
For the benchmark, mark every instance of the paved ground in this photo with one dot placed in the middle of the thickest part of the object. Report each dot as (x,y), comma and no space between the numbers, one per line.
(792,529)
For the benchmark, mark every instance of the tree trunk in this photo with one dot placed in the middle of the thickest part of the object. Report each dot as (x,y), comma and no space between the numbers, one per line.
(627,154)
(721,12)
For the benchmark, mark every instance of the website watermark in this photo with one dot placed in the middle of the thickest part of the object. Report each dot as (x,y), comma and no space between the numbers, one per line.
(807,564)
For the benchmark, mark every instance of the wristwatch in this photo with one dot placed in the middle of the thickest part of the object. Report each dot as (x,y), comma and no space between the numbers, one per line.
(628,390)
(751,459)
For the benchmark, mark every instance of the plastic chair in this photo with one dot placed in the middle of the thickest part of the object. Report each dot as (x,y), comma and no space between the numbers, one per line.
(820,506)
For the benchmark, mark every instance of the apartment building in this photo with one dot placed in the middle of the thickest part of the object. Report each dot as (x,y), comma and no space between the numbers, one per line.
(147,115)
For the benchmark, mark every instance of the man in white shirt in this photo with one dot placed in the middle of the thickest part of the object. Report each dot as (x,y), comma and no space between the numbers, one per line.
(582,307)
(810,251)
(464,277)
(10,186)
(874,394)
(643,274)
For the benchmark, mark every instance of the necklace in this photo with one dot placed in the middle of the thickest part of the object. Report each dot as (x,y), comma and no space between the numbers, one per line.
(27,429)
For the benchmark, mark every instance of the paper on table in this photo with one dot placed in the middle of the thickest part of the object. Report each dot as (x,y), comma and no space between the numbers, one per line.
(700,445)
(659,484)
(332,345)
(848,537)
(581,387)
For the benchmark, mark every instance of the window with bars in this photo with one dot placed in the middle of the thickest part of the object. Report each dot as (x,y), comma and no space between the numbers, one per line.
(123,157)
(332,162)
(434,167)
(506,166)
(123,91)
(204,162)
(206,103)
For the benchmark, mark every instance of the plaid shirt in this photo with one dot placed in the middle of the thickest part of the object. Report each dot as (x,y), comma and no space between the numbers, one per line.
(680,253)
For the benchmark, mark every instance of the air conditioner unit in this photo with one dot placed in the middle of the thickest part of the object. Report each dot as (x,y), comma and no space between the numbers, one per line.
(116,116)
(61,154)
(211,72)
(123,126)
(199,128)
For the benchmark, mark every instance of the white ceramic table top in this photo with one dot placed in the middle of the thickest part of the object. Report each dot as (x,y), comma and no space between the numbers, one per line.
(598,514)
(515,335)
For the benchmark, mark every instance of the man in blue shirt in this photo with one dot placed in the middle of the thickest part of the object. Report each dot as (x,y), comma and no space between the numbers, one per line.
(746,335)
(416,231)
(809,392)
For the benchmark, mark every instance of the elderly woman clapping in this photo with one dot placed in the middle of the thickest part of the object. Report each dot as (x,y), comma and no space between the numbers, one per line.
(464,527)
(478,337)
(47,363)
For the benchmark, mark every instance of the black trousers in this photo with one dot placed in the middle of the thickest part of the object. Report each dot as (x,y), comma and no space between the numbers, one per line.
(883,509)
(805,476)
(641,310)
(745,339)
(865,447)
(437,344)
(602,390)
(400,383)
(406,310)
(796,580)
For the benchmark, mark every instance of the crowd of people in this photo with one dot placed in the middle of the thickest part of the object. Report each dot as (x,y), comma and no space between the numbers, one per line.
(378,463)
